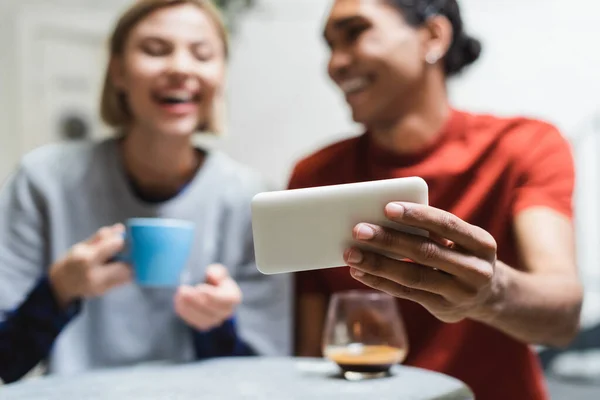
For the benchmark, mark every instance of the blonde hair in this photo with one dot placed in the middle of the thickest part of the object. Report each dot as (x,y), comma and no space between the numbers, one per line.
(113,106)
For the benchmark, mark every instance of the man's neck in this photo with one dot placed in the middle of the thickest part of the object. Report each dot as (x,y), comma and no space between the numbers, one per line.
(411,132)
(413,128)
(159,166)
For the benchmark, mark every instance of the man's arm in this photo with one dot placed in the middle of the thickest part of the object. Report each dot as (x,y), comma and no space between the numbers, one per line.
(541,304)
(462,278)
(455,275)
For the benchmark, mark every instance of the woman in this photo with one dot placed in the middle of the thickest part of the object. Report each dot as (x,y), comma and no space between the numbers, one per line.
(498,272)
(60,217)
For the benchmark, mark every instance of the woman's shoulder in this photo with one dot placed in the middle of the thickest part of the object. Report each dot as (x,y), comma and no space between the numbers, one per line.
(62,161)
(235,177)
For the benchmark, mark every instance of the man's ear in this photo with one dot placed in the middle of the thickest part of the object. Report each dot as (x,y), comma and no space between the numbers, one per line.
(438,35)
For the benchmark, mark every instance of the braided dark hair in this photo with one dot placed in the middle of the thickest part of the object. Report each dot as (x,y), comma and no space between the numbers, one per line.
(464,49)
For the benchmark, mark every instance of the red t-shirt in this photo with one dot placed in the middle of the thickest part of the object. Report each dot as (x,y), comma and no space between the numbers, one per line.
(484,170)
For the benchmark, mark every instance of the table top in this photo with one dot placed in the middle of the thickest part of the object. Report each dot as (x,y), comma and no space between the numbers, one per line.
(239,378)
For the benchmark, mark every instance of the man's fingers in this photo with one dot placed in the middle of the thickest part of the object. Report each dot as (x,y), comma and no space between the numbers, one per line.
(441,240)
(431,301)
(407,274)
(400,245)
(444,224)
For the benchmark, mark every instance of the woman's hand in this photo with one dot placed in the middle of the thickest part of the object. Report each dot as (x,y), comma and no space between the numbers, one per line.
(85,270)
(452,273)
(208,305)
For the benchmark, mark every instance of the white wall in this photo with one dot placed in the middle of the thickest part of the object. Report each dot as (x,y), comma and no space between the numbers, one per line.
(540,58)
(22,125)
(587,147)
(281,104)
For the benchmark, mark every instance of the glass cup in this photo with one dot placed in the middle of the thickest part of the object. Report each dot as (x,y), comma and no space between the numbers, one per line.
(364,334)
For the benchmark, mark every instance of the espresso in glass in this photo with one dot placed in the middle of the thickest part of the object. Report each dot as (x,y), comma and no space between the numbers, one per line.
(364,334)
(374,359)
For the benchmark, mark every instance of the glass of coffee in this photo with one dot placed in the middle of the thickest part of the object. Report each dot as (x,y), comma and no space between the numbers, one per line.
(364,334)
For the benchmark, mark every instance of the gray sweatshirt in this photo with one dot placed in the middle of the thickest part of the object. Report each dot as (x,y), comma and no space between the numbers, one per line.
(62,193)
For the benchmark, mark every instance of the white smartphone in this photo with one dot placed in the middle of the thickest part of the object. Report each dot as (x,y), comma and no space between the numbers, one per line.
(307,229)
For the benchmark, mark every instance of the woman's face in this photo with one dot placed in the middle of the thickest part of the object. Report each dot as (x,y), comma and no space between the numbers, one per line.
(172,68)
(377,59)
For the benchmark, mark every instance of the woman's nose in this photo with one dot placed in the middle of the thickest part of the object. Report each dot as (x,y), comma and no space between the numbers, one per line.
(181,63)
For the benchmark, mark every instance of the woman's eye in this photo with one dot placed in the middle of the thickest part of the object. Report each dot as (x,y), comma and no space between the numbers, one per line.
(202,52)
(155,48)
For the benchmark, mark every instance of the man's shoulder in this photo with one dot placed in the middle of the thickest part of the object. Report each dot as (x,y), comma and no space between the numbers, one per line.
(517,132)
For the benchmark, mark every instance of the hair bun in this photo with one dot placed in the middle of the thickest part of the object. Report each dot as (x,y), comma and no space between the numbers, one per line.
(464,51)
(471,49)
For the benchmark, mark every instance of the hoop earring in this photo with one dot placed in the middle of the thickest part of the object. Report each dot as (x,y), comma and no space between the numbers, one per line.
(431,58)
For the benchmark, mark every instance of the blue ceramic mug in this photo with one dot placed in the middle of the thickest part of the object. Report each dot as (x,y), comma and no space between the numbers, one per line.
(157,249)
